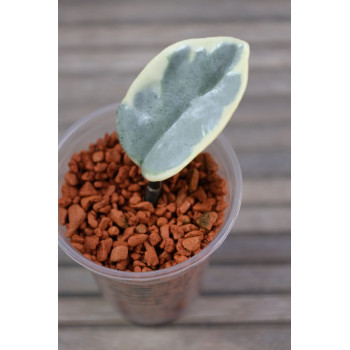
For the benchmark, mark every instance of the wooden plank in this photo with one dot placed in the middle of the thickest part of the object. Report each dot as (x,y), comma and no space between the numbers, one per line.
(253,110)
(159,35)
(250,138)
(131,61)
(270,191)
(261,110)
(256,337)
(263,219)
(182,11)
(238,249)
(87,311)
(265,164)
(254,249)
(112,87)
(218,279)
(247,279)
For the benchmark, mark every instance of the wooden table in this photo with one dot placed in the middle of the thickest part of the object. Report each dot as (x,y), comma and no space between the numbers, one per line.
(245,299)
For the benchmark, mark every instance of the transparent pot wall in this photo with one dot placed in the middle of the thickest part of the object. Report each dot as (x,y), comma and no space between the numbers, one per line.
(159,296)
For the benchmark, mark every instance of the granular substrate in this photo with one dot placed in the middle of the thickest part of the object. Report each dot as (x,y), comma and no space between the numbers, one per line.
(108,220)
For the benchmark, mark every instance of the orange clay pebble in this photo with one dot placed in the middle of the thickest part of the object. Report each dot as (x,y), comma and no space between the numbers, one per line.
(210,163)
(122,174)
(193,184)
(141,228)
(161,211)
(62,216)
(154,238)
(183,220)
(118,217)
(147,206)
(191,243)
(69,191)
(119,253)
(64,202)
(200,194)
(103,249)
(135,240)
(113,155)
(169,245)
(207,220)
(98,156)
(77,238)
(164,231)
(181,195)
(143,216)
(176,231)
(151,256)
(109,221)
(171,207)
(218,187)
(196,233)
(87,190)
(189,227)
(134,199)
(71,179)
(128,232)
(162,221)
(76,216)
(104,223)
(87,201)
(186,204)
(90,243)
(91,218)
(205,206)
(78,246)
(113,231)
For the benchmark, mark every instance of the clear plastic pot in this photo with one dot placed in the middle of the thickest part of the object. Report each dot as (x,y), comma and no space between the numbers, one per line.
(153,297)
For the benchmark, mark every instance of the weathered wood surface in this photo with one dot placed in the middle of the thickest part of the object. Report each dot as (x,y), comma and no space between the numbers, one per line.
(218,279)
(158,11)
(204,337)
(245,300)
(212,310)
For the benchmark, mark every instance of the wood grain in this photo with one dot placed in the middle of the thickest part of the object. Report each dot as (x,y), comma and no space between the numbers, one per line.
(245,302)
(265,164)
(180,11)
(131,61)
(256,337)
(88,311)
(218,280)
(270,191)
(119,35)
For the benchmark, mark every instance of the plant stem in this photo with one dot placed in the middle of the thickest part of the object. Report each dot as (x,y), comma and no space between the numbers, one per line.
(153,191)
